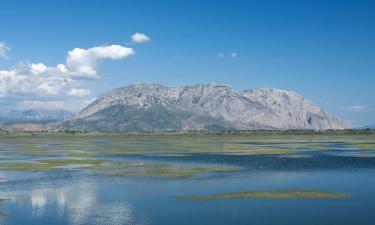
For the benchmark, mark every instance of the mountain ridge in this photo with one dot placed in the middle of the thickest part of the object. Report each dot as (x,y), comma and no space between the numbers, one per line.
(144,107)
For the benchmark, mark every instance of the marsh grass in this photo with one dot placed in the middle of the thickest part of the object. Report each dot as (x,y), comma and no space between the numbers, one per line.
(364,146)
(278,194)
(82,155)
(140,165)
(44,165)
(264,152)
(174,172)
(298,156)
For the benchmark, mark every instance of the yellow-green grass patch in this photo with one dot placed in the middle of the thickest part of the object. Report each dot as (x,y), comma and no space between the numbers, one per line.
(174,172)
(277,194)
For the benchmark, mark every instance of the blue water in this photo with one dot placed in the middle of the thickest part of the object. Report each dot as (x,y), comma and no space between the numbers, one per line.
(83,197)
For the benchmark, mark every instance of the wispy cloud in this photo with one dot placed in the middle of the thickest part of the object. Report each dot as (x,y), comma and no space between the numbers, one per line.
(356,108)
(233,54)
(4,51)
(80,92)
(72,105)
(222,55)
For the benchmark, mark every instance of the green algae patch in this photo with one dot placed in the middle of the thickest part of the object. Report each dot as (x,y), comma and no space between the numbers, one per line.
(103,167)
(365,146)
(26,166)
(297,156)
(278,194)
(70,161)
(44,165)
(64,162)
(122,153)
(174,172)
(142,165)
(82,155)
(264,152)
(173,155)
(363,155)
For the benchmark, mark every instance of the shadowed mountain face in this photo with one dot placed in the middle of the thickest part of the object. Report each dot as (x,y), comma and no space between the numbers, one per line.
(147,107)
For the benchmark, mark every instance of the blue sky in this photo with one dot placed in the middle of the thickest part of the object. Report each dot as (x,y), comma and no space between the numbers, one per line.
(323,50)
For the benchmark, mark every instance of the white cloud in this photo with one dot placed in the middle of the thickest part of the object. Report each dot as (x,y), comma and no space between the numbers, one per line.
(38,79)
(356,108)
(38,68)
(62,86)
(233,54)
(28,104)
(33,80)
(220,55)
(86,62)
(71,105)
(4,50)
(78,92)
(140,38)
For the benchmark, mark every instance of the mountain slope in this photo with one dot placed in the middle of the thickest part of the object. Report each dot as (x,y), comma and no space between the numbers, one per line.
(145,107)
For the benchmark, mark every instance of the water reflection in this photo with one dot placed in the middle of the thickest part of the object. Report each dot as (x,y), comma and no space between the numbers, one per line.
(78,204)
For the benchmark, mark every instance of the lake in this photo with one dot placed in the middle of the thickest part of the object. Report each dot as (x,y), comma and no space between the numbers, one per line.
(187,179)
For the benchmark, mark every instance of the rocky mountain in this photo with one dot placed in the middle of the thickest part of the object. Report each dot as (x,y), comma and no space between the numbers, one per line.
(41,116)
(146,107)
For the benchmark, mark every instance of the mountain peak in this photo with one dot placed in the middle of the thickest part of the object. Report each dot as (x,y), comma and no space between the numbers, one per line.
(140,107)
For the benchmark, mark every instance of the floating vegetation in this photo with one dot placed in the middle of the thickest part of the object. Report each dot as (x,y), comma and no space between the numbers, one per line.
(141,165)
(174,155)
(297,156)
(264,152)
(25,166)
(82,155)
(363,155)
(364,146)
(44,165)
(174,172)
(63,162)
(278,194)
(2,214)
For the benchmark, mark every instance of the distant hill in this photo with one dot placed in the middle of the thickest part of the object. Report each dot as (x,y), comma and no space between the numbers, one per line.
(41,116)
(153,107)
(368,127)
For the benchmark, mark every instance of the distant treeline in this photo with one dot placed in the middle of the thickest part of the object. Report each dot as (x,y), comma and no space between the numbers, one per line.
(199,132)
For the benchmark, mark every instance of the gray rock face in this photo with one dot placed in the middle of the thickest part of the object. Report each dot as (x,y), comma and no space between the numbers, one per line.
(145,107)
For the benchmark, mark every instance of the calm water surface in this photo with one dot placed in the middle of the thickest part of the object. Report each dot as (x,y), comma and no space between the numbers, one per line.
(72,194)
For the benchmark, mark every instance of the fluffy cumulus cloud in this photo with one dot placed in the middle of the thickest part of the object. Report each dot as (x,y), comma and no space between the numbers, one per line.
(4,49)
(31,79)
(38,79)
(86,62)
(36,84)
(140,38)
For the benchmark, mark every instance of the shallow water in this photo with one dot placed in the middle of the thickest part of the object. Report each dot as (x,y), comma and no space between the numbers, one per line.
(153,172)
